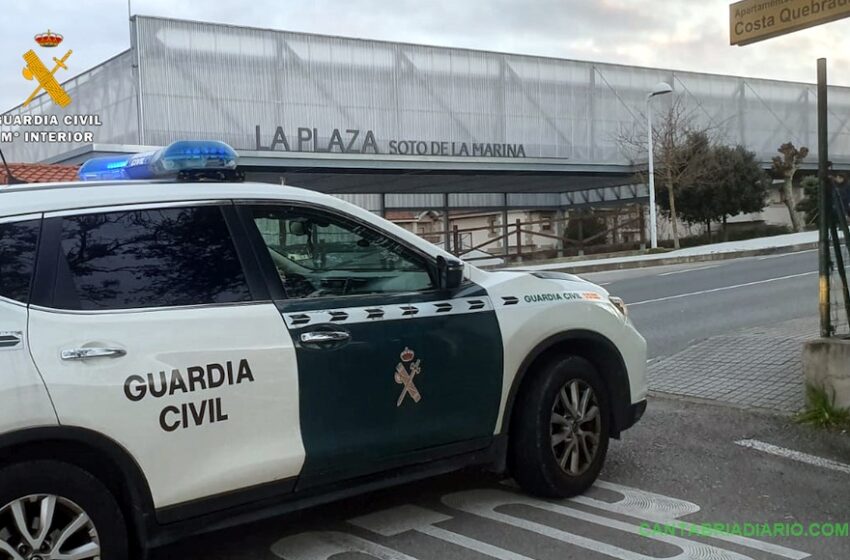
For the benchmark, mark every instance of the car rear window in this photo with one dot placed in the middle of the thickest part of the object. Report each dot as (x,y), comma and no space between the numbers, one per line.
(148,258)
(18,243)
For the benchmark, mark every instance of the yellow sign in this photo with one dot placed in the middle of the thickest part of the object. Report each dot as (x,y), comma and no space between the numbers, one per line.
(35,69)
(756,20)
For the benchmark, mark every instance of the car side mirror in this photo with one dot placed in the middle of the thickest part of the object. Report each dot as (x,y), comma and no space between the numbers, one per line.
(450,273)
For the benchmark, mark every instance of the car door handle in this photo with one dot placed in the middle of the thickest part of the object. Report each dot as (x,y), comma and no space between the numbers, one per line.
(87,353)
(320,337)
(10,339)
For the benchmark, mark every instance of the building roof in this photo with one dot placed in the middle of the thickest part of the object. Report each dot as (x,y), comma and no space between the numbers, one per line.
(40,173)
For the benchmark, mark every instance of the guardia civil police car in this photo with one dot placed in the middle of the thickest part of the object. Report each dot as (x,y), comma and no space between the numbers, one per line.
(179,355)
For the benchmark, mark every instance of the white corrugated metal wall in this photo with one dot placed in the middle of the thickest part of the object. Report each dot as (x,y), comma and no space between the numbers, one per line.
(220,81)
(203,79)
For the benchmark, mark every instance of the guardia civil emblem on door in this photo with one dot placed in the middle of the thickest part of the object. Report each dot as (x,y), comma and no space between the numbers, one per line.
(405,372)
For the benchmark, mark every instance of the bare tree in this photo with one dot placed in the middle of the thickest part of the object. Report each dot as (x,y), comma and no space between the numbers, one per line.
(676,163)
(785,166)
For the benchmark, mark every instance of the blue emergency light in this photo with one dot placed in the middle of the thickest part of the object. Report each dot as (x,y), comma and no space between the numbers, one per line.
(99,169)
(181,157)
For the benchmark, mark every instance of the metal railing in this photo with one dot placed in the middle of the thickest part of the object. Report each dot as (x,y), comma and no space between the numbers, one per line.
(516,240)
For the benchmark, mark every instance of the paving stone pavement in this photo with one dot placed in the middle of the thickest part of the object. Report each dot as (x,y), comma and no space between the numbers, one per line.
(756,367)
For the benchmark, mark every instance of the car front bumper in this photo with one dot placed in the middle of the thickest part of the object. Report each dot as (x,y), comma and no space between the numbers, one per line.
(635,413)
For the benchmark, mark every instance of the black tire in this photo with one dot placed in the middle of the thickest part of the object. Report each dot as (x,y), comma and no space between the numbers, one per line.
(532,458)
(76,485)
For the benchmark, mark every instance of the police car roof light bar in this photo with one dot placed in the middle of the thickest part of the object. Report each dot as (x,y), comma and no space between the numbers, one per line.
(184,159)
(104,168)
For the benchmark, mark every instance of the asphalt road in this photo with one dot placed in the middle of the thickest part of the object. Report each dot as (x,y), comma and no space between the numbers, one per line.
(674,305)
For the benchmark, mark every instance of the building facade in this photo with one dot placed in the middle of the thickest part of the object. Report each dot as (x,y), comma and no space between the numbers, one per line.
(396,126)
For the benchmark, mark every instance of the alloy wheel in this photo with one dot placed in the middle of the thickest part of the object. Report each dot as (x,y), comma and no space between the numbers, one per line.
(47,527)
(576,427)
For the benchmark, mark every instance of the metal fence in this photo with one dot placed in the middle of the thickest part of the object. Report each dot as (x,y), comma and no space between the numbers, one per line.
(562,234)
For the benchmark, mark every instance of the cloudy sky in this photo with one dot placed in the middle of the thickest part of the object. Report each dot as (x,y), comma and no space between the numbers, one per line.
(676,34)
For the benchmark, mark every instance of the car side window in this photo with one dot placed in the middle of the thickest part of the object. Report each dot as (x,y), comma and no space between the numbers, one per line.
(321,255)
(18,242)
(148,258)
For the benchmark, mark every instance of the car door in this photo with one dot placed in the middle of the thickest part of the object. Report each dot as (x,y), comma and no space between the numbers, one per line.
(391,368)
(147,329)
(24,402)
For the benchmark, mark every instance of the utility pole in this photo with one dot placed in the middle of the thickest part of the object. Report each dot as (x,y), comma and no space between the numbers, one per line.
(660,88)
(824,203)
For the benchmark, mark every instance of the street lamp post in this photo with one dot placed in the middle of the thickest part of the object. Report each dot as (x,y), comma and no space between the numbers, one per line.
(660,88)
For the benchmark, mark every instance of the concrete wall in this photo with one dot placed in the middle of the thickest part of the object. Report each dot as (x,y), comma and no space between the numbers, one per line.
(826,365)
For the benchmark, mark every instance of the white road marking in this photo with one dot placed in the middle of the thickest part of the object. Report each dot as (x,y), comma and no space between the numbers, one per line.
(398,520)
(472,544)
(639,503)
(486,503)
(795,455)
(322,545)
(689,270)
(395,521)
(664,509)
(724,288)
(786,254)
(635,503)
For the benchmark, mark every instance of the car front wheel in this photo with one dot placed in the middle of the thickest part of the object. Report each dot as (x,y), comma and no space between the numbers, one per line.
(56,511)
(559,436)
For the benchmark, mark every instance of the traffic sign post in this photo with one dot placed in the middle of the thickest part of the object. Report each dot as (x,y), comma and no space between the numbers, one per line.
(824,203)
(751,21)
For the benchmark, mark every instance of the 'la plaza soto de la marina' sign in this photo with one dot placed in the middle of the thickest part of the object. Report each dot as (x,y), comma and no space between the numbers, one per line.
(755,20)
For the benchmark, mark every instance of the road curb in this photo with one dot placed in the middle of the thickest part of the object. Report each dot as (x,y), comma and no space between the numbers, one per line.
(665,261)
(760,410)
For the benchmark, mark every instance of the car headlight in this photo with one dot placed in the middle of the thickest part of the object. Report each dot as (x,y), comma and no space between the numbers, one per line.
(620,305)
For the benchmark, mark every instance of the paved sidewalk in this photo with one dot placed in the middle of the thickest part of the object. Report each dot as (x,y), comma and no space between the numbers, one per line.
(714,251)
(758,367)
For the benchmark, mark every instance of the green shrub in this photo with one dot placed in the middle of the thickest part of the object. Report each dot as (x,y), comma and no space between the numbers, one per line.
(821,411)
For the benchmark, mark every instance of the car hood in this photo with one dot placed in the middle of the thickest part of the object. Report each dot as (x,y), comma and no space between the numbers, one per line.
(550,275)
(532,280)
